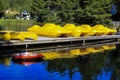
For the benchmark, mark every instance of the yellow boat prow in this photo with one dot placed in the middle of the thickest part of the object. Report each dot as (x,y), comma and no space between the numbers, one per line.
(5,35)
(74,31)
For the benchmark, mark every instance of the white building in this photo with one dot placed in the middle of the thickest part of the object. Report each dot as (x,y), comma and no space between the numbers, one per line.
(24,15)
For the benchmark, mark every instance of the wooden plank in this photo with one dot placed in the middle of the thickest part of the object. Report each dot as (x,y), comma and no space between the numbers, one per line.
(56,48)
(43,40)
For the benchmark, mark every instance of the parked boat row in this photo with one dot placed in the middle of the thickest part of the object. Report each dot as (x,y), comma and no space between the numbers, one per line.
(53,30)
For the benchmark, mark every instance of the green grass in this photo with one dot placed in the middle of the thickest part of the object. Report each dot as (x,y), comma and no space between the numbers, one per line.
(15,24)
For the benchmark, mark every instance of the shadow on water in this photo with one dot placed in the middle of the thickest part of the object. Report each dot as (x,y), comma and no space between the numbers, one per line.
(78,64)
(91,66)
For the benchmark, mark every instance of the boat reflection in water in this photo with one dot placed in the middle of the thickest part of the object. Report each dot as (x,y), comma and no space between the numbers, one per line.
(28,58)
(90,63)
(76,52)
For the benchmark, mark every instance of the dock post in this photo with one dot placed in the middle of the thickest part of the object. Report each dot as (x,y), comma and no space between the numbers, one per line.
(118,39)
(71,42)
(26,47)
(83,42)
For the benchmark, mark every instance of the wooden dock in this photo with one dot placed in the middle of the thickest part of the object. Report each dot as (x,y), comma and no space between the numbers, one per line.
(44,42)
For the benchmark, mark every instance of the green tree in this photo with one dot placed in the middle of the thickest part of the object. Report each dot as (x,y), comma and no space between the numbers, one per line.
(68,10)
(1,9)
(72,11)
(43,11)
(95,11)
(18,5)
(1,6)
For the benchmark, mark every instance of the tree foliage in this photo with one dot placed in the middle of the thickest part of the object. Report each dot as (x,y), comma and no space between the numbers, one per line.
(1,6)
(64,11)
(72,11)
(1,9)
(18,5)
(95,11)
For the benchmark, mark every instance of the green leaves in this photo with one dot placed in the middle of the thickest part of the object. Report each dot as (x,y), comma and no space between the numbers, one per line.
(1,6)
(96,11)
(72,11)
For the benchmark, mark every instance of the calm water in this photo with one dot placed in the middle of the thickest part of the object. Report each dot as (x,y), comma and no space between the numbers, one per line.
(98,63)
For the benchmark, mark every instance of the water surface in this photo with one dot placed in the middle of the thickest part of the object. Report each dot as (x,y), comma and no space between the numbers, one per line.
(98,63)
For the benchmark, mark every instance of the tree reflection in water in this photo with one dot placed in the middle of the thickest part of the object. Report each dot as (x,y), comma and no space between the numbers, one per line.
(5,59)
(114,58)
(91,66)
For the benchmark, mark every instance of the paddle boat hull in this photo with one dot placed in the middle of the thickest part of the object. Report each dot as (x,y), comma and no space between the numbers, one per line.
(49,30)
(24,35)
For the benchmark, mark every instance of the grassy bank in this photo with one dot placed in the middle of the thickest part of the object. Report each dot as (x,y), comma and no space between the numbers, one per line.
(15,24)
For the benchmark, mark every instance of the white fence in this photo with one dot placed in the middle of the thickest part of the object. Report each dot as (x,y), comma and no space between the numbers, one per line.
(116,23)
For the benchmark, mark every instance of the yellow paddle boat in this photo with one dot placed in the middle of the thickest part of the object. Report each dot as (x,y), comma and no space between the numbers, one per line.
(24,35)
(49,30)
(5,35)
(34,28)
(74,31)
(52,30)
(86,30)
(99,30)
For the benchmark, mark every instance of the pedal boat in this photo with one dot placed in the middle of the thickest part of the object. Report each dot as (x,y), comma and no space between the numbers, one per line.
(86,30)
(100,30)
(23,35)
(74,31)
(5,35)
(103,30)
(49,30)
